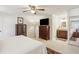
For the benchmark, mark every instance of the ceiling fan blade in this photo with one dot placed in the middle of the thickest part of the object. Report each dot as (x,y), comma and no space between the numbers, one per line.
(26,10)
(41,9)
(30,5)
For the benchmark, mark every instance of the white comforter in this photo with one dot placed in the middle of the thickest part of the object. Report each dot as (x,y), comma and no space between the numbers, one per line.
(21,45)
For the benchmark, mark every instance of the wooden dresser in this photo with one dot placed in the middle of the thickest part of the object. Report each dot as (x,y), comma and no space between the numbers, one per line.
(44,32)
(21,29)
(62,34)
(75,34)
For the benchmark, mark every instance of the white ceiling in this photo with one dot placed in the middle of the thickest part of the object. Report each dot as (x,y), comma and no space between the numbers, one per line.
(49,9)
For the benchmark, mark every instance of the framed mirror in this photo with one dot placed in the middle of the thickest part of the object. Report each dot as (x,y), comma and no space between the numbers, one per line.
(74,32)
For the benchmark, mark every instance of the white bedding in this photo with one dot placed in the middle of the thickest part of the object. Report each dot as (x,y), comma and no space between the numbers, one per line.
(21,45)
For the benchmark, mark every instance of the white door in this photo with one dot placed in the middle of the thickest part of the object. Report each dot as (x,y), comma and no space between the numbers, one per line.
(1,26)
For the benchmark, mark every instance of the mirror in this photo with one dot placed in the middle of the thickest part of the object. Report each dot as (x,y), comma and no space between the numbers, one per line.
(74,32)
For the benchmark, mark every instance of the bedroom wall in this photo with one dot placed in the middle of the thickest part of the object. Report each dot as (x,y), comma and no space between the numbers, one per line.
(8,21)
(33,22)
(7,24)
(56,22)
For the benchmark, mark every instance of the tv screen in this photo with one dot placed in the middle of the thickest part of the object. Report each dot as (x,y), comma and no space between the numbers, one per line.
(44,21)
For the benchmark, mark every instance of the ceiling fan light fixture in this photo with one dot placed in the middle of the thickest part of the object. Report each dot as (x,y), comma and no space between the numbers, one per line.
(33,11)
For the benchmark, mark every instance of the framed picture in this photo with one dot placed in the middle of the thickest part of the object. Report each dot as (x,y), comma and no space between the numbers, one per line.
(20,20)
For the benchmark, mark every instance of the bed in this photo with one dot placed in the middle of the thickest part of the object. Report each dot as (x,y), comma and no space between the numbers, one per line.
(21,45)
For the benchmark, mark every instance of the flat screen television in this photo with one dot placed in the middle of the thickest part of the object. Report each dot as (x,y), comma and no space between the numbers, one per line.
(44,21)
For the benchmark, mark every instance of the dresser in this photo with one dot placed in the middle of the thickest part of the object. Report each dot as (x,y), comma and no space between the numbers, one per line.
(44,32)
(62,34)
(75,34)
(21,29)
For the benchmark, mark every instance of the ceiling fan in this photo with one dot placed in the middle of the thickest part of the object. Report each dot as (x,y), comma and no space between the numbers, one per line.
(33,9)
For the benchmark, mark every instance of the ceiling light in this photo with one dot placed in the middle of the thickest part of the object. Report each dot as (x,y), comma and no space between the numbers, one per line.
(32,11)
